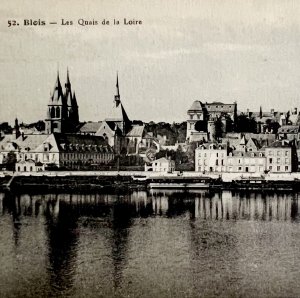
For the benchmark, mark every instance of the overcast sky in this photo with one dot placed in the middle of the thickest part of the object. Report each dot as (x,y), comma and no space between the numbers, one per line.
(248,51)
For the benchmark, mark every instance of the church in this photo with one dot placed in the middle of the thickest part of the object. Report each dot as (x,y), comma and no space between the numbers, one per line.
(62,110)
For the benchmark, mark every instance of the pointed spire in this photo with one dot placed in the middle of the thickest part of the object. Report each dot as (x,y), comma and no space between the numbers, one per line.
(117,85)
(117,96)
(74,100)
(68,92)
(260,112)
(68,80)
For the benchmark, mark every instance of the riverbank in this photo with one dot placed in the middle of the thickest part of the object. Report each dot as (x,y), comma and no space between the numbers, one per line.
(125,180)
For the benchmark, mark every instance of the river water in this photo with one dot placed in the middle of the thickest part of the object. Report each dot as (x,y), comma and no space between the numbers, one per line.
(150,244)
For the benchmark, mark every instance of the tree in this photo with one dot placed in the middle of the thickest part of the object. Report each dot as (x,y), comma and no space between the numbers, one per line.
(10,161)
(245,124)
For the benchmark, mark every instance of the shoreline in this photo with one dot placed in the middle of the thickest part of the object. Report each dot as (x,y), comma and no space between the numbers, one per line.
(133,180)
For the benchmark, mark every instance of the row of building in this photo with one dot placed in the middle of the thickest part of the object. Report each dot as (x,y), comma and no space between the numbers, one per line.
(68,143)
(247,156)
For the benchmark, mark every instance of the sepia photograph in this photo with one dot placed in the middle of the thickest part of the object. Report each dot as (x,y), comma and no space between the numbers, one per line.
(150,148)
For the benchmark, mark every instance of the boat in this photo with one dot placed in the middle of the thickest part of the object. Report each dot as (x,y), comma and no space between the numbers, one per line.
(179,182)
(139,177)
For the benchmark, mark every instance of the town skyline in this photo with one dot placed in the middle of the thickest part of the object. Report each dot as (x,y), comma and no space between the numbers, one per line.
(183,51)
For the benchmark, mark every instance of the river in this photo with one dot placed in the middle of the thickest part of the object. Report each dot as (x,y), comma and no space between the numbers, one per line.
(150,244)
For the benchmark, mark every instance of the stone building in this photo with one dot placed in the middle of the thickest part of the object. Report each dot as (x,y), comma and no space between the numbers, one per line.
(161,165)
(62,110)
(208,121)
(248,162)
(282,157)
(211,157)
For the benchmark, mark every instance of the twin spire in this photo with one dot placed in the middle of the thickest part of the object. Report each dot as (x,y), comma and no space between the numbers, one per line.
(66,97)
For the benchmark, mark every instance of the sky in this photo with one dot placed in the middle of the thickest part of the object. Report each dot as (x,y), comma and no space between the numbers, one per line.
(209,50)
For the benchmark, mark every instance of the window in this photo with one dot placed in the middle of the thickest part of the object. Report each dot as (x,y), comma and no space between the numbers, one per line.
(286,153)
(287,160)
(270,168)
(217,162)
(278,160)
(286,168)
(240,168)
(278,153)
(52,112)
(278,168)
(217,154)
(57,112)
(270,160)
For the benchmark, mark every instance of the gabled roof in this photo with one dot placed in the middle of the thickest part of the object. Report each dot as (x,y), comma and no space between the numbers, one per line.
(118,113)
(255,142)
(30,142)
(76,142)
(136,131)
(90,127)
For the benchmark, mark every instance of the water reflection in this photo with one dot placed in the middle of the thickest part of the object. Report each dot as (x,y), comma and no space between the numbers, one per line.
(122,209)
(62,236)
(196,234)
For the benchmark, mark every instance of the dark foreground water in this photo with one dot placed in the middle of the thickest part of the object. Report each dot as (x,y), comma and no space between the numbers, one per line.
(157,244)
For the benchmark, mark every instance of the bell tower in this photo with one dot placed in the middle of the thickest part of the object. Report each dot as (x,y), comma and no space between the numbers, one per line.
(55,109)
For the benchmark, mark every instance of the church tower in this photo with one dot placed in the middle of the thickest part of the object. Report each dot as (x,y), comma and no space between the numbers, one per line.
(74,115)
(62,111)
(56,109)
(118,114)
